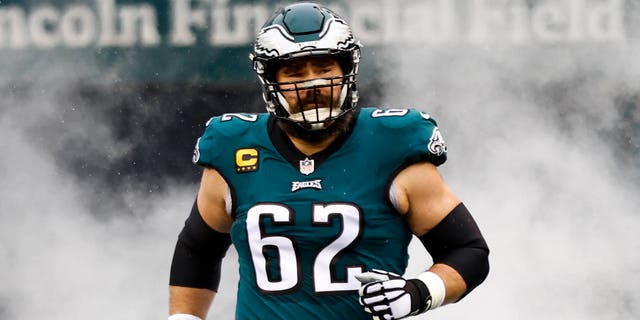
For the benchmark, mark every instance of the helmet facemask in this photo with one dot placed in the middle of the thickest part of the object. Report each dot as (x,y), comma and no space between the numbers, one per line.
(315,103)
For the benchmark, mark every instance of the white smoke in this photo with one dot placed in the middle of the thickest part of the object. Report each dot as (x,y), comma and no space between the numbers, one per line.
(59,259)
(530,155)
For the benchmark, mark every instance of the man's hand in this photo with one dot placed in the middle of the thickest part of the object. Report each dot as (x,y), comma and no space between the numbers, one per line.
(389,296)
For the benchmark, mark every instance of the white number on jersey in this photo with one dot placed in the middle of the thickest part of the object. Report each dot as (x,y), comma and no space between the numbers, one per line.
(288,271)
(389,113)
(289,266)
(241,116)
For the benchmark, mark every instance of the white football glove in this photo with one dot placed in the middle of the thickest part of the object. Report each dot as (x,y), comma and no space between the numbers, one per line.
(389,296)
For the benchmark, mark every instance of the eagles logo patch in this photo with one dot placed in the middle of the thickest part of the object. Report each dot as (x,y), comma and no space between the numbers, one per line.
(437,145)
(247,160)
(196,152)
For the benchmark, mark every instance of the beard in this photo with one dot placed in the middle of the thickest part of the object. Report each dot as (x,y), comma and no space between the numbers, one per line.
(336,127)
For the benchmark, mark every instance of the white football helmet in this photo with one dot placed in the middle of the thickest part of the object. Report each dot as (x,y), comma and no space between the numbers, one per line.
(302,30)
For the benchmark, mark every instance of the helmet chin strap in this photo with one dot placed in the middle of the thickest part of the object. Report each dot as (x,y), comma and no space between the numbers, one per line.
(316,116)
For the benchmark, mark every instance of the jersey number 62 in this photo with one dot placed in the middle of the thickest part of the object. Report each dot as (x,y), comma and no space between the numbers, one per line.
(289,267)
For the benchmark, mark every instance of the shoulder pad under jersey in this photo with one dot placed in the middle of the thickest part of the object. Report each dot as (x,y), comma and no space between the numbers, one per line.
(218,133)
(414,133)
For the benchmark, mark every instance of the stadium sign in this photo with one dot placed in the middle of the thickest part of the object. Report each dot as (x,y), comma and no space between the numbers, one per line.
(208,26)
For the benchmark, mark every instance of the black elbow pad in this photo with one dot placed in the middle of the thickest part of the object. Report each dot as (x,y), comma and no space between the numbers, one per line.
(198,254)
(457,242)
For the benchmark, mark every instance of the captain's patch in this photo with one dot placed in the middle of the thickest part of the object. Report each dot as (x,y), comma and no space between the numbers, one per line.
(247,160)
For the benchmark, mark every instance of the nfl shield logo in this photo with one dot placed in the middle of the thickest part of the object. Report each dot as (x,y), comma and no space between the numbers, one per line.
(306,166)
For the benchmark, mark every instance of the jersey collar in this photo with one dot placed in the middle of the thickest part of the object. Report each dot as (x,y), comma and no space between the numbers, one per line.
(287,149)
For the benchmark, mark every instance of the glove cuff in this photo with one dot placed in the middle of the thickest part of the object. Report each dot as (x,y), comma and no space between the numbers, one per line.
(420,298)
(435,287)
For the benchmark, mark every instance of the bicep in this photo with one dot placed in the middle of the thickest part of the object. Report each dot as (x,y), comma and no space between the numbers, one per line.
(424,197)
(214,201)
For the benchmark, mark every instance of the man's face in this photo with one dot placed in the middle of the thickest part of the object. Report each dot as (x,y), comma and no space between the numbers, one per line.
(324,93)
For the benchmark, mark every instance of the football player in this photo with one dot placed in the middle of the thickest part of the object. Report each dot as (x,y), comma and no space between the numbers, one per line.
(320,197)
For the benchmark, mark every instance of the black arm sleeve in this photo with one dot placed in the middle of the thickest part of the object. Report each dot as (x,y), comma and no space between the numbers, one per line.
(457,242)
(198,254)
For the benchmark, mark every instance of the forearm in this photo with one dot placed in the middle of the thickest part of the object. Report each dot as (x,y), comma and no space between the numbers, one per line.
(193,301)
(454,285)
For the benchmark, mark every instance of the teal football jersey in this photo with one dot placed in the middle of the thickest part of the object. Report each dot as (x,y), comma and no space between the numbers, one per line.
(305,225)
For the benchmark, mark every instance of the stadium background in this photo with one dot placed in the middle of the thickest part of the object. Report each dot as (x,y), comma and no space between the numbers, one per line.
(102,101)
